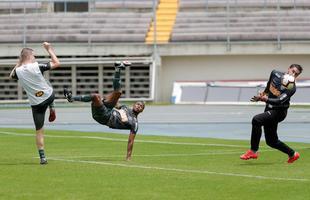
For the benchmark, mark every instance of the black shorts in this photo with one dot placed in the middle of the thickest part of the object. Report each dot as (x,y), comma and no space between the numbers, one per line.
(38,111)
(101,114)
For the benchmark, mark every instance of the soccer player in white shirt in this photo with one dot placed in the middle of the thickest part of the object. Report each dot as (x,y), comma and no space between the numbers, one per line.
(29,73)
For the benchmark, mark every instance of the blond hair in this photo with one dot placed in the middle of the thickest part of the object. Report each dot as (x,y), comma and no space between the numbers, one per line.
(25,54)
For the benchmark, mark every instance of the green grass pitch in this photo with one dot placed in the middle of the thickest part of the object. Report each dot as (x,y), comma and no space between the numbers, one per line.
(92,166)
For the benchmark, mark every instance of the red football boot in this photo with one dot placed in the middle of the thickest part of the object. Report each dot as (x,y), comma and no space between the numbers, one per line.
(249,155)
(293,158)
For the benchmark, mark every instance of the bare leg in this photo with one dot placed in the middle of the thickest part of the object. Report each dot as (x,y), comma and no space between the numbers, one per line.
(40,145)
(96,100)
(40,138)
(112,98)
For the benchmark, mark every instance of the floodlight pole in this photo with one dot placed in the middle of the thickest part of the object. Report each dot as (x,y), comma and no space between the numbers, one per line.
(228,45)
(89,33)
(278,26)
(155,28)
(155,56)
(25,26)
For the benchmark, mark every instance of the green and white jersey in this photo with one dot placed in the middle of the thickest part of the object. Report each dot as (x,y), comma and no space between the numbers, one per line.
(123,118)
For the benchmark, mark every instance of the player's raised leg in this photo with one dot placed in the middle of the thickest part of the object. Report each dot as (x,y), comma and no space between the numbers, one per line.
(111,99)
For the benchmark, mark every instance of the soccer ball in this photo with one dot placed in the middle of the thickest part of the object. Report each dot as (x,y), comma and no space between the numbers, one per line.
(288,81)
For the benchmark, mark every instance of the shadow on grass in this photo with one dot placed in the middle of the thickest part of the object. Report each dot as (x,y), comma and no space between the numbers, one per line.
(258,163)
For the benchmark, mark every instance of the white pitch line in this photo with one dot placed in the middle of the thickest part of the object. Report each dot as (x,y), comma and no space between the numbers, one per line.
(137,140)
(124,140)
(222,152)
(182,170)
(159,155)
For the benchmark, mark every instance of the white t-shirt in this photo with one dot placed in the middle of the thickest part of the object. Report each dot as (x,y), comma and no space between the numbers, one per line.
(31,78)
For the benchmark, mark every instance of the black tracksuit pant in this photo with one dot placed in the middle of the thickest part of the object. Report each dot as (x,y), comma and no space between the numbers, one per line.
(269,120)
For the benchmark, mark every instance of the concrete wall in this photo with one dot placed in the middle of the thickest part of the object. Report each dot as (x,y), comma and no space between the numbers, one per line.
(223,67)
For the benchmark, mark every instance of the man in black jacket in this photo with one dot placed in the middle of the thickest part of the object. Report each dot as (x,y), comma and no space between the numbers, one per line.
(280,87)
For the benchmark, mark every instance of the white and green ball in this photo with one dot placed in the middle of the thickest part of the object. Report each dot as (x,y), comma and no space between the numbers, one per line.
(288,81)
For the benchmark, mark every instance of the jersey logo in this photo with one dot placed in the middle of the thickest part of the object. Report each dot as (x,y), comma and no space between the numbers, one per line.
(123,115)
(274,90)
(39,94)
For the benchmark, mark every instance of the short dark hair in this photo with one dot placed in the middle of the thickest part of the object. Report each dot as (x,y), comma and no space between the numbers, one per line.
(142,102)
(299,67)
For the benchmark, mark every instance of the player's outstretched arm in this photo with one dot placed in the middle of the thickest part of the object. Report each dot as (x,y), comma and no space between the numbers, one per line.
(283,98)
(13,73)
(54,60)
(260,97)
(131,140)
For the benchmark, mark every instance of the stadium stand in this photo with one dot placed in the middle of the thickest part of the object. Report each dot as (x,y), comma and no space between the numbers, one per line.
(165,19)
(129,24)
(121,4)
(252,4)
(106,22)
(75,27)
(197,21)
(11,7)
(177,21)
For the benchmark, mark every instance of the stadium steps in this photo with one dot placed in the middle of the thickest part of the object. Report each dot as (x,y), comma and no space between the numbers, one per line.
(127,26)
(252,4)
(261,25)
(165,16)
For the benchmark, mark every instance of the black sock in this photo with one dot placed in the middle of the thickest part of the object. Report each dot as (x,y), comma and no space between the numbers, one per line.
(117,80)
(41,153)
(52,106)
(83,98)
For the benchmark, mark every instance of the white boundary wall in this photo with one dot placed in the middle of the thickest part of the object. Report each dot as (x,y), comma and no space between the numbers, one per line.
(229,92)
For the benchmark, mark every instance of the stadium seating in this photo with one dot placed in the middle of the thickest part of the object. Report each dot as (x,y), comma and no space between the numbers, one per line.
(116,4)
(130,20)
(243,3)
(165,18)
(8,6)
(75,27)
(244,21)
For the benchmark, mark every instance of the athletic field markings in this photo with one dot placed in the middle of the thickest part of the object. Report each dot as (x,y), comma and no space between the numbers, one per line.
(159,155)
(122,140)
(219,152)
(181,170)
(137,140)
(158,168)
